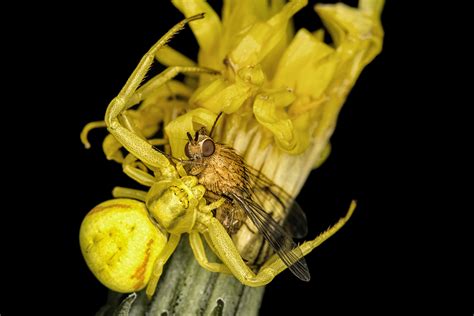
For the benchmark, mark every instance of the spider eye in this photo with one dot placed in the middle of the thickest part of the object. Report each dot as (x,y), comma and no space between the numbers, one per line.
(186,151)
(208,147)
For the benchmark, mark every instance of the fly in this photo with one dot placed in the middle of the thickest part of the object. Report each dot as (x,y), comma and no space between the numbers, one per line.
(224,173)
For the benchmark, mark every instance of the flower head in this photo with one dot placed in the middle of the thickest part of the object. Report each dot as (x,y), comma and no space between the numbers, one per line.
(281,90)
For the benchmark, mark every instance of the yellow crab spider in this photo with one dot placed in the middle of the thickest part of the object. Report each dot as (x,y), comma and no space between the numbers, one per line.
(125,241)
(126,250)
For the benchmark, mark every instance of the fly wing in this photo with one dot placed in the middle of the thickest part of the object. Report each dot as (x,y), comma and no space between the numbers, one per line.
(278,238)
(274,198)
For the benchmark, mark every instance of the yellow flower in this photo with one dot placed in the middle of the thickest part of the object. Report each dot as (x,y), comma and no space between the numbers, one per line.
(281,90)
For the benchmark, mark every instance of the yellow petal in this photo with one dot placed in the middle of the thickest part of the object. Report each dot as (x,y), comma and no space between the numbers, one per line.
(319,35)
(355,27)
(239,16)
(269,110)
(208,31)
(358,36)
(303,66)
(220,96)
(111,148)
(177,129)
(262,37)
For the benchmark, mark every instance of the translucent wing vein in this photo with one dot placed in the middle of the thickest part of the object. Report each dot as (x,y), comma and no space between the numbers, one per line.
(278,238)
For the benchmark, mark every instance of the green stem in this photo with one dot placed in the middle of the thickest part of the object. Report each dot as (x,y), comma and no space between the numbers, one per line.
(187,289)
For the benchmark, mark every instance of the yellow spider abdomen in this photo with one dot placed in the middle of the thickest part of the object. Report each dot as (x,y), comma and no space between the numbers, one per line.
(120,244)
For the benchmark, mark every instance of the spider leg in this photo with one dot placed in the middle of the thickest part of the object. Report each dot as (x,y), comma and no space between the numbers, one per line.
(200,254)
(137,171)
(120,192)
(226,250)
(135,144)
(163,257)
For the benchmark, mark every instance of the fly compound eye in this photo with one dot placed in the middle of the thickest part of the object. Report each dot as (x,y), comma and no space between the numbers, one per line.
(208,147)
(186,151)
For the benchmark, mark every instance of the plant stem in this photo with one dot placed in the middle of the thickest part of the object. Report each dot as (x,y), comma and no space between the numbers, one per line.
(187,289)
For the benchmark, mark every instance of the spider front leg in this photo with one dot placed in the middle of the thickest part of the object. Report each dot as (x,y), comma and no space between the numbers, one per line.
(230,256)
(276,264)
(129,96)
(200,254)
(144,121)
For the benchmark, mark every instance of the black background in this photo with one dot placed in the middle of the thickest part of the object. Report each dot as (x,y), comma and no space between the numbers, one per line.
(82,57)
